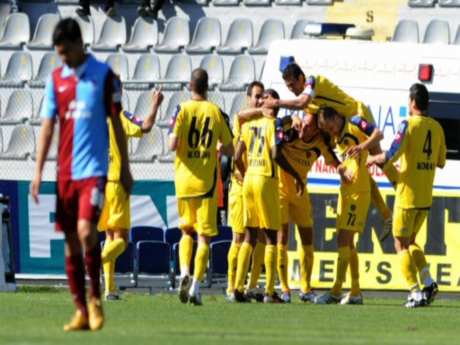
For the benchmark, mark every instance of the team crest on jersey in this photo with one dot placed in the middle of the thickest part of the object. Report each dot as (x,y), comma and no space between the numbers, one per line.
(364,125)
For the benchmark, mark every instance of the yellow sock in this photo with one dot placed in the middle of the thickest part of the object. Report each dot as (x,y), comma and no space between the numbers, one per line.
(109,276)
(282,266)
(112,250)
(306,266)
(257,262)
(378,201)
(243,265)
(201,261)
(232,259)
(420,262)
(185,254)
(408,269)
(342,264)
(270,268)
(354,272)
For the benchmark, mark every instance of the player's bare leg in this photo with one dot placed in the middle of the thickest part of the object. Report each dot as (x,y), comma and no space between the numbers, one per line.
(306,255)
(201,263)
(282,262)
(115,244)
(232,259)
(244,256)
(271,236)
(185,258)
(76,275)
(87,234)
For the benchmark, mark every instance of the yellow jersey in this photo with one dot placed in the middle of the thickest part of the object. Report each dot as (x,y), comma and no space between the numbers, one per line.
(259,137)
(301,155)
(132,126)
(324,93)
(420,147)
(355,131)
(236,185)
(199,126)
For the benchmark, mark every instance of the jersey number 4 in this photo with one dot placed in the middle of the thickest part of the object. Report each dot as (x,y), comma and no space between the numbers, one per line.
(427,145)
(200,136)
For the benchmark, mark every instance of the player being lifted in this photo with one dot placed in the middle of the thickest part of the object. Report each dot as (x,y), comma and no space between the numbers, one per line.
(296,154)
(260,197)
(352,138)
(420,147)
(81,95)
(116,215)
(317,91)
(196,129)
(235,196)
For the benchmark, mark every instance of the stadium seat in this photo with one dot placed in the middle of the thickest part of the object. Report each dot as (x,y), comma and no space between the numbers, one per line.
(35,120)
(18,70)
(406,31)
(19,108)
(172,235)
(175,258)
(144,35)
(1,140)
(207,35)
(152,257)
(288,2)
(320,2)
(143,104)
(113,34)
(257,2)
(174,101)
(176,36)
(53,150)
(125,262)
(119,64)
(271,30)
(449,3)
(146,233)
(147,70)
(217,98)
(48,63)
(239,37)
(299,28)
(242,72)
(225,2)
(239,101)
(21,144)
(214,65)
(125,103)
(87,29)
(218,265)
(16,31)
(149,147)
(177,73)
(421,3)
(43,35)
(438,31)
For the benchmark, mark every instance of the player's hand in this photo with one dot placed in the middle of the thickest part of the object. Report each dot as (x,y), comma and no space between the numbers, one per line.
(377,160)
(126,180)
(355,151)
(157,96)
(300,186)
(345,175)
(35,188)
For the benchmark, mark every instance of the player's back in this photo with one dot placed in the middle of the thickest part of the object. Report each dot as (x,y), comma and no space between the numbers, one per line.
(259,138)
(199,125)
(424,149)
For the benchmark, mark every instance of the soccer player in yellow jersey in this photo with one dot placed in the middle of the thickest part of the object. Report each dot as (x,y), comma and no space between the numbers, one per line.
(352,138)
(260,198)
(420,148)
(235,196)
(196,129)
(296,154)
(115,219)
(318,91)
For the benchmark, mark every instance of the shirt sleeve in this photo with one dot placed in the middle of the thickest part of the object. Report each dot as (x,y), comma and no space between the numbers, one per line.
(271,134)
(132,125)
(49,108)
(443,151)
(363,125)
(176,122)
(226,136)
(310,87)
(398,145)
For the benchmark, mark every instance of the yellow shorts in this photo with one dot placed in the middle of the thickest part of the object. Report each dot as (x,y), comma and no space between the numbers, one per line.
(199,213)
(352,211)
(296,209)
(261,202)
(236,208)
(408,221)
(116,213)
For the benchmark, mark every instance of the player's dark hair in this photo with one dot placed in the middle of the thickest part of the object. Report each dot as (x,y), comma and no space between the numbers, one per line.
(199,81)
(293,71)
(67,30)
(252,86)
(272,93)
(419,93)
(327,113)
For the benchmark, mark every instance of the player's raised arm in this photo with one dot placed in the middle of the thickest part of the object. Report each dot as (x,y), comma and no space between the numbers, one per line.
(396,149)
(226,137)
(175,128)
(239,152)
(373,133)
(149,121)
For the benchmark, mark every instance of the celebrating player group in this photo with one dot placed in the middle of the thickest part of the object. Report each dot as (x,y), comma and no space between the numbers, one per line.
(272,157)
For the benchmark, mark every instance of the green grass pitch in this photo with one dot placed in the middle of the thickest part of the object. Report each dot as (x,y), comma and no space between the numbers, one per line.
(37,318)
